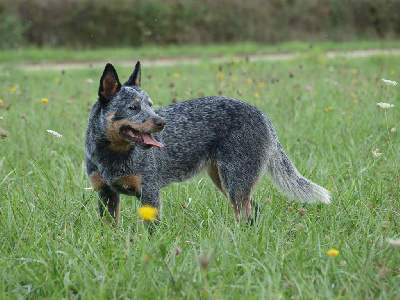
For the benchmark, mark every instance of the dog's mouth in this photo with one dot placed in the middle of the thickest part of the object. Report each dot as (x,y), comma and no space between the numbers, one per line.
(143,139)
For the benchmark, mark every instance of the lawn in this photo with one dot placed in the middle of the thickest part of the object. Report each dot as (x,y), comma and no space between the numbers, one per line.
(325,111)
(49,54)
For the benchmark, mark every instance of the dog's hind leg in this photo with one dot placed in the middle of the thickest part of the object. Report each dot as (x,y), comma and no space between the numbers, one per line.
(241,203)
(214,174)
(237,202)
(237,182)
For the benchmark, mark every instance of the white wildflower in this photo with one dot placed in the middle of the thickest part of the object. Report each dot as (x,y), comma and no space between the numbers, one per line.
(375,153)
(56,134)
(394,243)
(89,80)
(389,82)
(53,154)
(393,130)
(384,105)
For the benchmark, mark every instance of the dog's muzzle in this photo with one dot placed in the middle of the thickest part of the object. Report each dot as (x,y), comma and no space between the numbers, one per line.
(159,123)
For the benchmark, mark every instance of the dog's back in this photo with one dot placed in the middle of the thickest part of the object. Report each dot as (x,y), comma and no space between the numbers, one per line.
(204,129)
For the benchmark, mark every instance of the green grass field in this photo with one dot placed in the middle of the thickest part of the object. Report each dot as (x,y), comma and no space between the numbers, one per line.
(326,115)
(48,54)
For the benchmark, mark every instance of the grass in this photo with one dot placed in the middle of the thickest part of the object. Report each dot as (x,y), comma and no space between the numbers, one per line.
(326,117)
(49,54)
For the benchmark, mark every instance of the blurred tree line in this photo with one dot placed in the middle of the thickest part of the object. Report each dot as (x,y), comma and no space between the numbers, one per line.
(101,23)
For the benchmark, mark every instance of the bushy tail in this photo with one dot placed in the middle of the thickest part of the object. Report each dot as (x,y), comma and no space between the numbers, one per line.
(285,175)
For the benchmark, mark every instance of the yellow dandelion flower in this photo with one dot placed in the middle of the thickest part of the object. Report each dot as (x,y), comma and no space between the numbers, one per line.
(392,72)
(354,71)
(261,84)
(148,213)
(332,252)
(176,75)
(57,79)
(234,79)
(220,75)
(330,108)
(13,89)
(249,80)
(45,100)
(1,101)
(355,101)
(256,95)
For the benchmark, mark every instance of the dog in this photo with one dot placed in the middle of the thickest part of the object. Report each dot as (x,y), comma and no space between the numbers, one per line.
(134,150)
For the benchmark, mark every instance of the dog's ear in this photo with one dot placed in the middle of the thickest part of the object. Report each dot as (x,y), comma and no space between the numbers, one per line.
(134,79)
(109,84)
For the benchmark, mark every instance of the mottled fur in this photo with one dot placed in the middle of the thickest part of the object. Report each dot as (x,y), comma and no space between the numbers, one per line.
(233,141)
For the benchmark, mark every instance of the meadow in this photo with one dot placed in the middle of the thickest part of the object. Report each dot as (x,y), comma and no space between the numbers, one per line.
(325,111)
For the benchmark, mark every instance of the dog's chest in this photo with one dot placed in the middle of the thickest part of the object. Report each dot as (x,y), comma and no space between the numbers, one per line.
(128,184)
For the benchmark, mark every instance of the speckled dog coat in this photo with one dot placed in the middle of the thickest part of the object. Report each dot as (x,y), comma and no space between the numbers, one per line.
(134,150)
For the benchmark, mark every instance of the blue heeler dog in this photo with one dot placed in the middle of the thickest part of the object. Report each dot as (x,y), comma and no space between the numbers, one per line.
(134,150)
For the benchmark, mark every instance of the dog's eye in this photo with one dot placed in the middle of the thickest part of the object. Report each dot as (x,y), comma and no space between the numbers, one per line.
(132,107)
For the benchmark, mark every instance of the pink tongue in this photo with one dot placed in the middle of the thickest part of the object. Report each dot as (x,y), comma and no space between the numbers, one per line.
(149,140)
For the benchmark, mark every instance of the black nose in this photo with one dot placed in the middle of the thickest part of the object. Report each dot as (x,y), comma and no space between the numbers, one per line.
(159,122)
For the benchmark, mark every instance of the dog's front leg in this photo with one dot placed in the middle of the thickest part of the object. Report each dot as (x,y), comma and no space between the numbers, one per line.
(110,200)
(151,196)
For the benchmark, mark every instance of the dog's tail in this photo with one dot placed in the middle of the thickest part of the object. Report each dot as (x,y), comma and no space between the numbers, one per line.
(285,175)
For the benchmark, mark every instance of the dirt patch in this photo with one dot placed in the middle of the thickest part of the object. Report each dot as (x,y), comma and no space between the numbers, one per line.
(196,60)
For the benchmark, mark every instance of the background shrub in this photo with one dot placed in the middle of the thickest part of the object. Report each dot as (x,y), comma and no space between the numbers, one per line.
(11,29)
(90,23)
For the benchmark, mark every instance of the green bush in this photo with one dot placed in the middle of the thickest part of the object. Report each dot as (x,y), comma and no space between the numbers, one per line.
(11,30)
(90,23)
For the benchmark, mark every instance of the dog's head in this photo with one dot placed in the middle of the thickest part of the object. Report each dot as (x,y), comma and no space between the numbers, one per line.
(127,111)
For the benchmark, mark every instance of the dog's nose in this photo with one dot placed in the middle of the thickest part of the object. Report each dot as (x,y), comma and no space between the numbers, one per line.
(160,123)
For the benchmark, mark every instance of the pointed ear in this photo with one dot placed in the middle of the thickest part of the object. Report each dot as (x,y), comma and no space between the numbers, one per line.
(109,84)
(135,77)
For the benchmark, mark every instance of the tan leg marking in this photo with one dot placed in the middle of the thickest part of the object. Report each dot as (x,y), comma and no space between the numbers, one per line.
(214,174)
(113,210)
(129,181)
(246,208)
(239,206)
(96,181)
